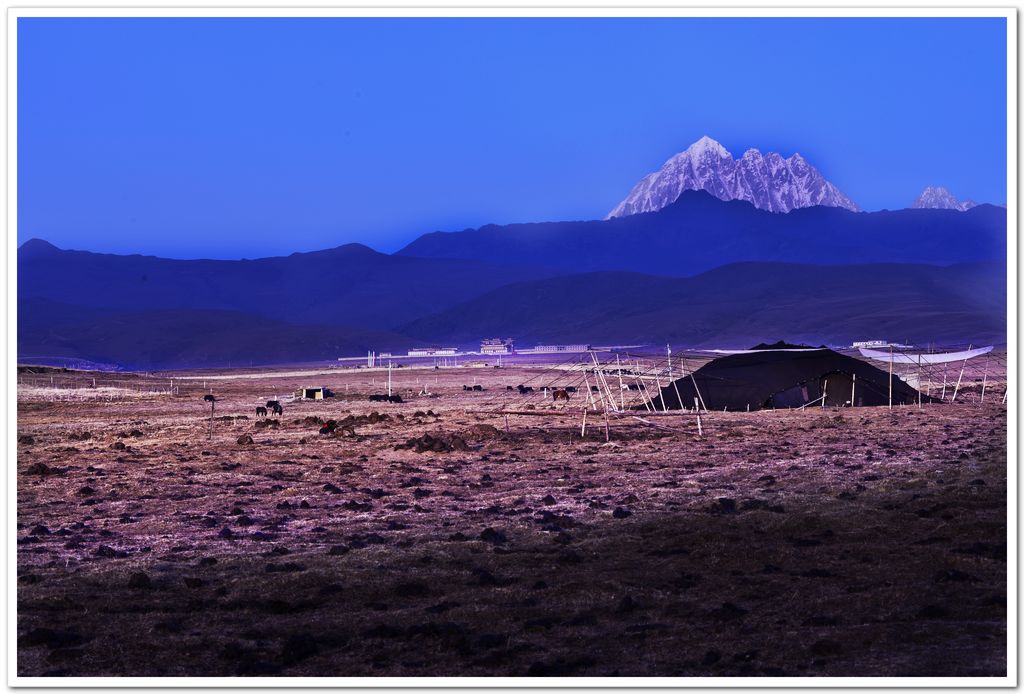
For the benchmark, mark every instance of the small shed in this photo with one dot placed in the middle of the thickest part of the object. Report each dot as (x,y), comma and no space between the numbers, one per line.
(313,393)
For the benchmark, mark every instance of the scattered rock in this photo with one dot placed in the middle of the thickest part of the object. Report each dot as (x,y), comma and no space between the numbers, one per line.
(495,537)
(51,638)
(139,579)
(108,552)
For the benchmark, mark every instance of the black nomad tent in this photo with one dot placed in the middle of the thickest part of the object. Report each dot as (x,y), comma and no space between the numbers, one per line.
(788,376)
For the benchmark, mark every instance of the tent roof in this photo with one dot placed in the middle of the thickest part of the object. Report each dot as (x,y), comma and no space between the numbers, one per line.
(753,378)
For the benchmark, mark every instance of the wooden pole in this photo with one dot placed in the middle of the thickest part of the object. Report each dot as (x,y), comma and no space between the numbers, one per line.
(590,393)
(853,392)
(918,381)
(699,396)
(890,377)
(696,408)
(618,367)
(583,428)
(824,394)
(642,389)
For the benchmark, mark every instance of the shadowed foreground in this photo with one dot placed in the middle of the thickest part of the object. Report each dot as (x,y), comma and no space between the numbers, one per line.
(821,542)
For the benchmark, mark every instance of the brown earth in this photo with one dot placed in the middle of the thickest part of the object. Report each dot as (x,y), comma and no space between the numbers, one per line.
(818,542)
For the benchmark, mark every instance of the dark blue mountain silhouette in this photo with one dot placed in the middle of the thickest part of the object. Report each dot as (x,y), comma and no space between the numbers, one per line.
(700,232)
(739,304)
(350,285)
(861,275)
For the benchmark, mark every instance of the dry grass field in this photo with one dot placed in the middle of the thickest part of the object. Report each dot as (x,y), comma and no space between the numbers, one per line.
(839,542)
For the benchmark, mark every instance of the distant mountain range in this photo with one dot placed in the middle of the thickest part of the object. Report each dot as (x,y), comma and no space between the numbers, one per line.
(350,285)
(939,198)
(698,232)
(696,270)
(767,181)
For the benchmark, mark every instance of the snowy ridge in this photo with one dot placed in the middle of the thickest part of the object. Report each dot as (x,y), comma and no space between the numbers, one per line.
(938,198)
(768,181)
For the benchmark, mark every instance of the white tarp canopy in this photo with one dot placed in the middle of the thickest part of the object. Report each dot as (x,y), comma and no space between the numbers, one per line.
(936,358)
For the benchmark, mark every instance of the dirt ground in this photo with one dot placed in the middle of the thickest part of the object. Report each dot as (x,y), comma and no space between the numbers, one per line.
(839,542)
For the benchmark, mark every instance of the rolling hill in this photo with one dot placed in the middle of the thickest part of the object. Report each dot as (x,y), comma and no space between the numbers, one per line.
(49,332)
(350,285)
(738,304)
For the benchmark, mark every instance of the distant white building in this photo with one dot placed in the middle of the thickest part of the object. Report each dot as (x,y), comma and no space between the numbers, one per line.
(554,349)
(433,352)
(497,345)
(880,344)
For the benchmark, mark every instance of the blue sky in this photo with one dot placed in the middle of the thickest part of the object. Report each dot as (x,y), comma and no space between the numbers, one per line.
(236,138)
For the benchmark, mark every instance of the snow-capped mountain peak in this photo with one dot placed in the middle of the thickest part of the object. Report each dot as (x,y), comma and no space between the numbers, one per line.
(707,146)
(938,198)
(768,181)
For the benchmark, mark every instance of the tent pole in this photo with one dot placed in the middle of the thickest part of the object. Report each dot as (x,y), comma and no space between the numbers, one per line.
(696,408)
(679,398)
(958,379)
(853,392)
(660,394)
(984,382)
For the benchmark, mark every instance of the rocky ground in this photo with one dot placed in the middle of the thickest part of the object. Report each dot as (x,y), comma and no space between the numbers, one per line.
(818,542)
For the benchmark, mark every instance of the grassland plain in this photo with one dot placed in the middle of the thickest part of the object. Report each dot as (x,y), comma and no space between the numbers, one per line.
(855,542)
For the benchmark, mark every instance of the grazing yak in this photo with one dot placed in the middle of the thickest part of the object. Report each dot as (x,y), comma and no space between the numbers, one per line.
(261,411)
(523,390)
(275,407)
(380,397)
(560,394)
